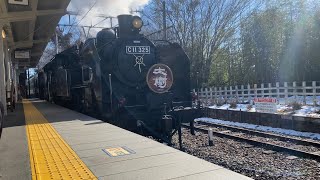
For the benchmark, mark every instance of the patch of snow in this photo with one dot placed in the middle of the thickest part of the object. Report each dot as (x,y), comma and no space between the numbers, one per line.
(263,128)
(283,108)
(310,100)
(253,109)
(305,111)
(308,111)
(224,107)
(213,107)
(242,107)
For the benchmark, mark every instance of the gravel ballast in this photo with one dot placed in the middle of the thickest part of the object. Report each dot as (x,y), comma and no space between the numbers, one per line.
(255,162)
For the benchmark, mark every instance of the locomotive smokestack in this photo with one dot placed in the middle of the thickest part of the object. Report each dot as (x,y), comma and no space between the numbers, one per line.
(129,26)
(125,27)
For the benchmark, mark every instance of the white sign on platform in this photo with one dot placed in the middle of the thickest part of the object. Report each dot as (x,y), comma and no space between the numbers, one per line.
(19,2)
(266,105)
(22,54)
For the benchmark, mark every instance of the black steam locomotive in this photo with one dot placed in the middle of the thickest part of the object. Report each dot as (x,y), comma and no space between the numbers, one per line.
(123,78)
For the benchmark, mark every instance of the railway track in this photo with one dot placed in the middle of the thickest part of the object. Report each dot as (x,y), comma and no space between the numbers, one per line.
(291,145)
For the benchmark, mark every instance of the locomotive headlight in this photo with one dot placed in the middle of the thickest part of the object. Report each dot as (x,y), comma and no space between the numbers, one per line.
(137,22)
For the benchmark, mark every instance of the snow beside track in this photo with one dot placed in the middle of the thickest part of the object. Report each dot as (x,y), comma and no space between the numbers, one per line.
(315,136)
(305,111)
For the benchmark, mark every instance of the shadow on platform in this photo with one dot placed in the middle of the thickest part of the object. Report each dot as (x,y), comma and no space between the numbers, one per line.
(15,118)
(56,113)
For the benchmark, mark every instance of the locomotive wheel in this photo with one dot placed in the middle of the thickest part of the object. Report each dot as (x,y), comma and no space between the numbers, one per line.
(120,117)
(77,105)
(125,120)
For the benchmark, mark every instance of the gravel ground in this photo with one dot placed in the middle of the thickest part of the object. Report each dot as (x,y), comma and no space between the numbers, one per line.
(255,162)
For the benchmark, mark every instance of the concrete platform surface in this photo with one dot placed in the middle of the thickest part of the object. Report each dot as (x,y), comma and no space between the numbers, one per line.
(14,154)
(113,153)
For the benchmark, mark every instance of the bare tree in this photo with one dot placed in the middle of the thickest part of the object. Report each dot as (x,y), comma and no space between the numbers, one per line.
(202,27)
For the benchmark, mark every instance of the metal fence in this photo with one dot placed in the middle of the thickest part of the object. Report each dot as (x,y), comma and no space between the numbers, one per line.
(302,91)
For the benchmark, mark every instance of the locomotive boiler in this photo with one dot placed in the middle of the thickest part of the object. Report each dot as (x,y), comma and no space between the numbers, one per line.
(123,78)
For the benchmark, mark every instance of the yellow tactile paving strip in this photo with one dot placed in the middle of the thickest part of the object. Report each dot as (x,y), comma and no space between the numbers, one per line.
(50,156)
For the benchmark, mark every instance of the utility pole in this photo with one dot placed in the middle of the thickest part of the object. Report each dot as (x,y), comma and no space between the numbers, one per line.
(29,89)
(111,24)
(57,43)
(164,11)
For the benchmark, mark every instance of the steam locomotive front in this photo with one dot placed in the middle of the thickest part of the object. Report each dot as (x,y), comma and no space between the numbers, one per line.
(133,56)
(127,57)
(132,59)
(128,61)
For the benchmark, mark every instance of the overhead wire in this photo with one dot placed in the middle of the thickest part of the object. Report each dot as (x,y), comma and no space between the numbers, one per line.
(53,17)
(72,25)
(41,26)
(100,22)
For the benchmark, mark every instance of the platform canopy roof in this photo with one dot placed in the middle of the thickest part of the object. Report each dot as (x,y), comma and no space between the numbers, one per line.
(29,25)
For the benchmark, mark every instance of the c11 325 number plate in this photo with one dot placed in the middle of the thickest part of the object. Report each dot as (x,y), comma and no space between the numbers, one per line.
(138,49)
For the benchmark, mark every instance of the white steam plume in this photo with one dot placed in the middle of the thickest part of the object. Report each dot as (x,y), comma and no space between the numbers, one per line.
(103,7)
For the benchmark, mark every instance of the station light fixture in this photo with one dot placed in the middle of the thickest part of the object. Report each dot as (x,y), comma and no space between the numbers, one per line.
(3,34)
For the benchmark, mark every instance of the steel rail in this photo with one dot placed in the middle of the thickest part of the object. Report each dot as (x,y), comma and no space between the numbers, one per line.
(298,141)
(265,145)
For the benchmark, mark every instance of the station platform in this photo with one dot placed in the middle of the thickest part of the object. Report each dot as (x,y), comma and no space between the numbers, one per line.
(41,140)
